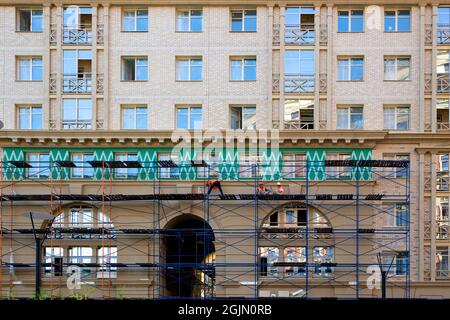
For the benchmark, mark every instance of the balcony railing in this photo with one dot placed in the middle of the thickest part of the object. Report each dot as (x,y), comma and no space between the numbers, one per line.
(443,126)
(297,83)
(442,273)
(77,83)
(443,84)
(299,35)
(298,125)
(81,34)
(76,124)
(443,228)
(443,34)
(442,181)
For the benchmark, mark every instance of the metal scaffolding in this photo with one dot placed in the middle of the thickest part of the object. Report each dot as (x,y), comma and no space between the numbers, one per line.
(228,245)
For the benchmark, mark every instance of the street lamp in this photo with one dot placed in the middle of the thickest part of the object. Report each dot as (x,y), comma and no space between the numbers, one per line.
(39,241)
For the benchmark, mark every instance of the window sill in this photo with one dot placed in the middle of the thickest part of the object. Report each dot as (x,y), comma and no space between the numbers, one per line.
(243,80)
(386,80)
(397,31)
(134,31)
(178,31)
(350,80)
(177,80)
(17,80)
(344,32)
(232,31)
(18,31)
(133,80)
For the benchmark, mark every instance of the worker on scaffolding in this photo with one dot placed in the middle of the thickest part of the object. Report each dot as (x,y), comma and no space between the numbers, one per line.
(262,189)
(214,184)
(279,189)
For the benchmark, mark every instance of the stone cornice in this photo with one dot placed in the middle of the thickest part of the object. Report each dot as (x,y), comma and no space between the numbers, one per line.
(9,138)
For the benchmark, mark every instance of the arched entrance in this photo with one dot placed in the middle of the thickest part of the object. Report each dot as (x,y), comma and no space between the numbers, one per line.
(189,253)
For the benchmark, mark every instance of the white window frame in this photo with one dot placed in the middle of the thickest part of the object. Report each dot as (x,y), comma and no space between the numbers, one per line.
(50,253)
(396,11)
(124,173)
(135,19)
(31,73)
(242,60)
(242,11)
(135,58)
(107,255)
(189,108)
(349,114)
(336,173)
(295,169)
(350,65)
(31,113)
(246,162)
(396,67)
(32,10)
(189,29)
(190,66)
(350,15)
(135,115)
(396,114)
(43,170)
(76,255)
(78,118)
(243,111)
(169,173)
(85,165)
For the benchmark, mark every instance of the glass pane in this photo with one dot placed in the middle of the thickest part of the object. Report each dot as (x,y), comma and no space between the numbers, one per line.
(389,21)
(196,20)
(71,16)
(236,21)
(389,118)
(24,69)
(343,21)
(142,20)
(389,69)
(342,120)
(84,109)
(37,21)
(249,69)
(196,118)
(128,118)
(141,69)
(36,118)
(141,118)
(182,118)
(69,109)
(128,21)
(343,66)
(24,118)
(357,71)
(183,21)
(196,69)
(250,20)
(357,21)
(236,70)
(402,118)
(404,21)
(37,69)
(182,69)
(25,20)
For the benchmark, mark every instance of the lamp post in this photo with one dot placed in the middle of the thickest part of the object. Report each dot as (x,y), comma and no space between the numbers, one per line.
(39,241)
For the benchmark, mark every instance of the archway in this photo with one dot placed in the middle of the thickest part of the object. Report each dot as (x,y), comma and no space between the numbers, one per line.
(189,253)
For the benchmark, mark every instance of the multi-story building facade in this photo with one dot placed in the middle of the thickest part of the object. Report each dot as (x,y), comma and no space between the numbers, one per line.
(86,85)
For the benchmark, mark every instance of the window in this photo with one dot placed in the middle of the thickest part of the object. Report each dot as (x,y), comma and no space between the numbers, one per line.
(397,21)
(443,25)
(77,71)
(397,68)
(442,262)
(396,172)
(296,217)
(350,117)
(77,25)
(30,117)
(351,69)
(134,117)
(107,259)
(126,173)
(267,257)
(189,117)
(189,20)
(212,160)
(54,260)
(396,215)
(295,255)
(395,263)
(299,71)
(169,172)
(250,164)
(323,258)
(81,255)
(243,69)
(40,165)
(134,69)
(442,218)
(299,26)
(135,20)
(396,117)
(292,216)
(83,169)
(299,114)
(243,117)
(294,165)
(243,20)
(81,217)
(77,114)
(189,69)
(351,21)
(30,69)
(341,171)
(30,20)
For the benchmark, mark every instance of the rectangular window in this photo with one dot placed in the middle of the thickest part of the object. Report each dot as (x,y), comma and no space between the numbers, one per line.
(126,173)
(81,217)
(351,69)
(30,20)
(212,161)
(340,171)
(442,262)
(30,117)
(396,117)
(190,20)
(243,69)
(397,68)
(81,255)
(29,68)
(243,117)
(299,114)
(83,169)
(40,165)
(351,21)
(77,71)
(189,117)
(77,27)
(323,257)
(107,259)
(77,114)
(54,259)
(294,165)
(134,69)
(397,21)
(395,263)
(134,117)
(350,117)
(169,172)
(267,257)
(250,164)
(295,255)
(135,20)
(189,68)
(243,20)
(396,172)
(299,71)
(396,215)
